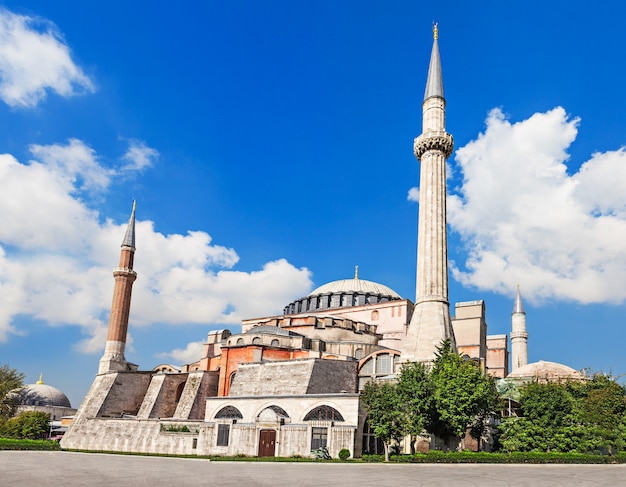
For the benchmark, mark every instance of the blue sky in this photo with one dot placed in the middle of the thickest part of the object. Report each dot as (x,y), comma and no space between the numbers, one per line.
(269,148)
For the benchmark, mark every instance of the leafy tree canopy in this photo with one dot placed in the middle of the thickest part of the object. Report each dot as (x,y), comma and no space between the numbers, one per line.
(10,379)
(384,412)
(583,416)
(447,399)
(464,395)
(416,397)
(31,425)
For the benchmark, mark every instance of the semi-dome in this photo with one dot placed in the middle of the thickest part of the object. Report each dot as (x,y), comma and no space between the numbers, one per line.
(544,370)
(344,293)
(40,394)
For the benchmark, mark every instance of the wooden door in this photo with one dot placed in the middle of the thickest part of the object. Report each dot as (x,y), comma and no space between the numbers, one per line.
(267,443)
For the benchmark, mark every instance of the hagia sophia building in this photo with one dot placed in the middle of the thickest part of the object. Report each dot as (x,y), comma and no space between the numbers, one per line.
(288,384)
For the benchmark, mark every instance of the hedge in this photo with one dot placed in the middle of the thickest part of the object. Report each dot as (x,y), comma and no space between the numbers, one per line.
(13,444)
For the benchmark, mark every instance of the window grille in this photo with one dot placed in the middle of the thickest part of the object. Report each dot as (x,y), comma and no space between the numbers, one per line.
(324,413)
(229,412)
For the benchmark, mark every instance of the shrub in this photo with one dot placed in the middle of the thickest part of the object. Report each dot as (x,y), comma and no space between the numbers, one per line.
(344,454)
(32,425)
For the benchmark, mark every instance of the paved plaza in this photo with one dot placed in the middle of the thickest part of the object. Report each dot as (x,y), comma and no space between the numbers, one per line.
(67,469)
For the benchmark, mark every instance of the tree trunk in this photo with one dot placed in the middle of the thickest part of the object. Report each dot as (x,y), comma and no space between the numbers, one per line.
(386,445)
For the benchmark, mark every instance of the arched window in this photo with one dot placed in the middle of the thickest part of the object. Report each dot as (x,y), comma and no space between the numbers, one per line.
(278,410)
(275,342)
(378,366)
(375,315)
(232,378)
(229,412)
(256,341)
(323,413)
(239,341)
(358,353)
(273,413)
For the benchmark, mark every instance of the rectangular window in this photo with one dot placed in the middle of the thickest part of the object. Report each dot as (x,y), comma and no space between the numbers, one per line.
(383,364)
(223,432)
(318,438)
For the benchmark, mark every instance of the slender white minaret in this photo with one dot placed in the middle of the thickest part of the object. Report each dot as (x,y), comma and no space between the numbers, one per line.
(430,323)
(519,336)
(113,359)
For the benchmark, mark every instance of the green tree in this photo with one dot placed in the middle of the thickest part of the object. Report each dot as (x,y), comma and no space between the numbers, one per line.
(549,420)
(415,393)
(10,379)
(384,412)
(32,425)
(601,412)
(464,396)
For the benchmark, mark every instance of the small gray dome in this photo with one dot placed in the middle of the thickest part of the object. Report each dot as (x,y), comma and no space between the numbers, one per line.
(544,370)
(41,394)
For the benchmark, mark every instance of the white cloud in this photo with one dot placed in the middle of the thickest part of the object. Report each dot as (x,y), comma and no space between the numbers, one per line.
(40,203)
(414,194)
(139,156)
(56,257)
(75,163)
(524,219)
(191,353)
(33,59)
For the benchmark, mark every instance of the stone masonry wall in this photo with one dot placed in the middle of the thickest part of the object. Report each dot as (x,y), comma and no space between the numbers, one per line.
(333,376)
(126,394)
(192,401)
(295,377)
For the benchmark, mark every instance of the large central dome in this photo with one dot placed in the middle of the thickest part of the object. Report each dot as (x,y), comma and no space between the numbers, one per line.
(344,293)
(355,286)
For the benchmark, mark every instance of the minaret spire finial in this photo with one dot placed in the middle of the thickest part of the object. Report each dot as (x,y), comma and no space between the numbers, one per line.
(434,82)
(129,238)
(40,381)
(356,272)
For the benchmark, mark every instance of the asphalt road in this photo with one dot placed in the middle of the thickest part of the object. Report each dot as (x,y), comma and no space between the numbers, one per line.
(39,469)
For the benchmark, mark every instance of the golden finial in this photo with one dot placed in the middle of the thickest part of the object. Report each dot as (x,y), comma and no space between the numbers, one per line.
(40,381)
(356,272)
(435,30)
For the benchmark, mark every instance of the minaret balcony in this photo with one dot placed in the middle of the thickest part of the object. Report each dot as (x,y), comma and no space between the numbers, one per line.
(433,140)
(519,335)
(124,271)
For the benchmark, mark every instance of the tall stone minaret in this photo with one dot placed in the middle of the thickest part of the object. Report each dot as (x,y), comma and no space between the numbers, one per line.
(430,323)
(113,359)
(519,336)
